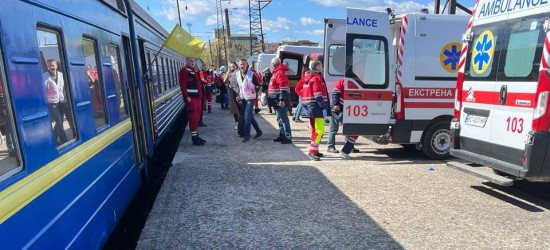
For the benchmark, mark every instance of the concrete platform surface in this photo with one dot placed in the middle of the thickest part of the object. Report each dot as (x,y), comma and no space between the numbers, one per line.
(264,195)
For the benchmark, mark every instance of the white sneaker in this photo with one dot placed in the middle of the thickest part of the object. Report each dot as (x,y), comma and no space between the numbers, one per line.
(345,156)
(236,125)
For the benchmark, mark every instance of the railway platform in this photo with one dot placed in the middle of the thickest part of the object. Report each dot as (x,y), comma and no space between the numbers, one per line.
(262,194)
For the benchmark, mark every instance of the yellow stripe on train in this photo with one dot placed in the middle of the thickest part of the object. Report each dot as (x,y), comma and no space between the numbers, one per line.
(17,196)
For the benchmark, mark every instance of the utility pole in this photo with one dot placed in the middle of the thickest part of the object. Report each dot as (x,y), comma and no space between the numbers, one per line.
(211,56)
(219,32)
(255,8)
(453,4)
(179,13)
(229,46)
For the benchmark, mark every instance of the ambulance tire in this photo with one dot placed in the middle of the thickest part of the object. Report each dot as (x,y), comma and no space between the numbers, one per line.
(436,139)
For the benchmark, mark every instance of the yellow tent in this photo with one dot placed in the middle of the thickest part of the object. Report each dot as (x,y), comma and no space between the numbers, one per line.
(185,44)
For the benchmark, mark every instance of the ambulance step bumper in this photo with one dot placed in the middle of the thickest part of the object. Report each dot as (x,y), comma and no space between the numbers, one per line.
(494,178)
(382,140)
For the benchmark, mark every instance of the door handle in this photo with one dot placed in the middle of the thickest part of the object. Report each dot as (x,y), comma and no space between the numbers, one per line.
(503,94)
(357,95)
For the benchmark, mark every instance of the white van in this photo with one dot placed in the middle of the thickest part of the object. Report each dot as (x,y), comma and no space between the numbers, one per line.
(264,60)
(253,61)
(400,78)
(501,108)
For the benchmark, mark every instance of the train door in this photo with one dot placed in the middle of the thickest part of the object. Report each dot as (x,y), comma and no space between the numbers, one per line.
(134,100)
(369,87)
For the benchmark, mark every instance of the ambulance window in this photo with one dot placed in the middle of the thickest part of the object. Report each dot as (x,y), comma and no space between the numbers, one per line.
(482,52)
(337,60)
(521,57)
(369,61)
(292,64)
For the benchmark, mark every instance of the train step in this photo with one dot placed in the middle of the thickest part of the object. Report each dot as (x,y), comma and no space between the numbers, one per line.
(492,177)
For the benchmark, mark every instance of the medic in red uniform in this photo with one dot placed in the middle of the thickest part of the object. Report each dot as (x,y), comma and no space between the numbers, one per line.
(208,80)
(192,95)
(315,106)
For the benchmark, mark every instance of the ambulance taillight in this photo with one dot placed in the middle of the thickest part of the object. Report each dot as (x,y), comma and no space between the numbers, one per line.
(458,94)
(541,114)
(399,111)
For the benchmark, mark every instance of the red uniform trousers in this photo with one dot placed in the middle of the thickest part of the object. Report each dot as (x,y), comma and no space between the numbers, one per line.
(193,114)
(209,101)
(317,125)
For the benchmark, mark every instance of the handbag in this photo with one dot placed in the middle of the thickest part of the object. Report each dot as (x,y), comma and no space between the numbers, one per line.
(263,99)
(219,98)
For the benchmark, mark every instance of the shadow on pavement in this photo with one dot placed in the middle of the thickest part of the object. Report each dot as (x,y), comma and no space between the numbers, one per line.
(258,206)
(520,194)
(230,194)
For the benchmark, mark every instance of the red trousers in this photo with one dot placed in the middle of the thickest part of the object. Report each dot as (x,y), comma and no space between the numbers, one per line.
(317,125)
(209,101)
(194,115)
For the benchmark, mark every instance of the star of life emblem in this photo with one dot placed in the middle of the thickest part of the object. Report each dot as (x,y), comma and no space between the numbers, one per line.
(471,97)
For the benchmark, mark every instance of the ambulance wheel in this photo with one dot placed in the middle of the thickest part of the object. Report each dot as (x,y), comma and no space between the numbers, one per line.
(436,143)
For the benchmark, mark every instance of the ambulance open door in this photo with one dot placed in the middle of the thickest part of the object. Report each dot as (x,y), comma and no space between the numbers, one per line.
(369,87)
(295,62)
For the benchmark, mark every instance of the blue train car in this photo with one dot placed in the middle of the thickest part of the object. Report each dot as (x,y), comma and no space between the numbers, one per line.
(163,92)
(78,119)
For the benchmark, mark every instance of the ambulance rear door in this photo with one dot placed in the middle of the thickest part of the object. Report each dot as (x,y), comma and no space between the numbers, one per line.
(516,86)
(295,63)
(334,51)
(369,76)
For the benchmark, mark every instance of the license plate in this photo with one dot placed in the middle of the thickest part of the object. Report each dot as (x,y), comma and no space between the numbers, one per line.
(476,121)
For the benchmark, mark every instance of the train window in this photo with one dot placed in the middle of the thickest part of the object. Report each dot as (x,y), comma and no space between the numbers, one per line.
(10,160)
(118,78)
(57,86)
(171,70)
(161,73)
(159,77)
(95,82)
(168,71)
(173,74)
(166,74)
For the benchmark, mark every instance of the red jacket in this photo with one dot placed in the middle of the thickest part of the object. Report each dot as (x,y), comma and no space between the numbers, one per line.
(314,96)
(337,96)
(207,78)
(279,86)
(190,83)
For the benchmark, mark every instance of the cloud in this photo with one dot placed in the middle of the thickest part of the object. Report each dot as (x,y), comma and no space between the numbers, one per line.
(399,7)
(315,32)
(275,26)
(309,21)
(196,9)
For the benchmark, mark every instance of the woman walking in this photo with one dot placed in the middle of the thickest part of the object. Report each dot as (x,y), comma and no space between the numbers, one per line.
(230,80)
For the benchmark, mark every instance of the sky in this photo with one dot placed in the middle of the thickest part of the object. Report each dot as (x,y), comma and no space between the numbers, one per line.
(295,19)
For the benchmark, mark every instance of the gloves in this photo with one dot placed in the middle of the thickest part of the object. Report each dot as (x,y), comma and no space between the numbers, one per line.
(324,113)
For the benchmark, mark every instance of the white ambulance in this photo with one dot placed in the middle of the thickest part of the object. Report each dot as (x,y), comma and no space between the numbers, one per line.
(501,108)
(400,78)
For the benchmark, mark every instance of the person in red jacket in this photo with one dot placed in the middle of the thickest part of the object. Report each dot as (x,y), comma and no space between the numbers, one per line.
(278,90)
(337,108)
(208,80)
(192,96)
(315,106)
